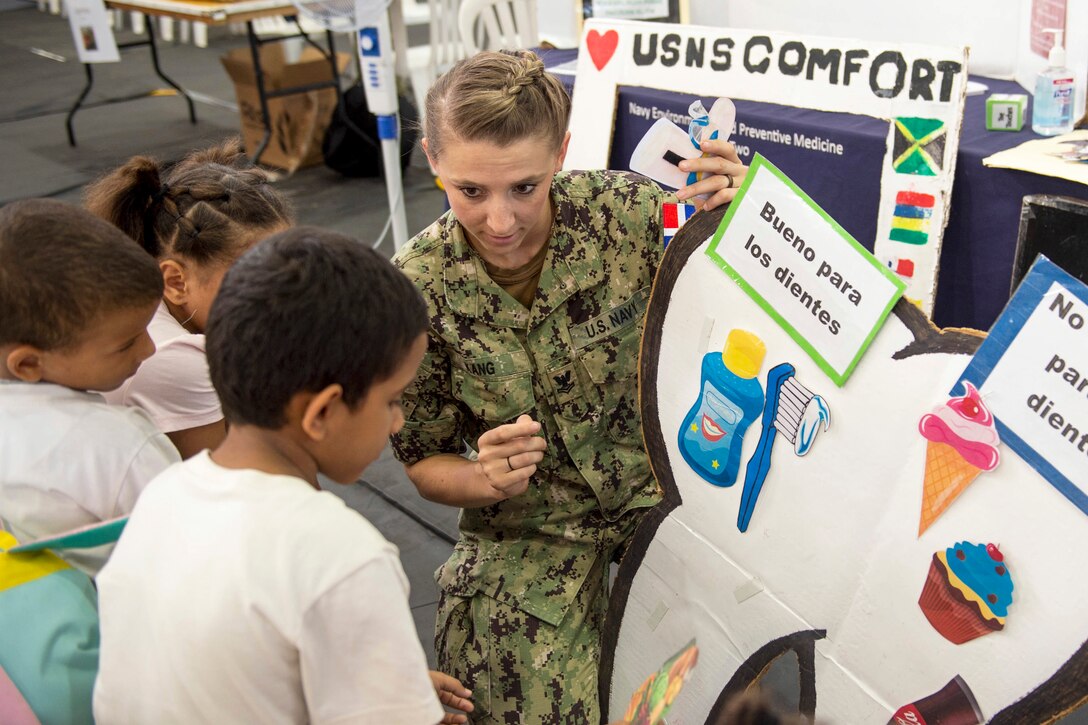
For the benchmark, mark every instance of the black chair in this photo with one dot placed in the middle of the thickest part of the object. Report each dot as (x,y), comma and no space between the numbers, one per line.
(1056,226)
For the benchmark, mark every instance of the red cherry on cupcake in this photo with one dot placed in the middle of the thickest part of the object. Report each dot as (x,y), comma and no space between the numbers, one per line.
(970,408)
(994,553)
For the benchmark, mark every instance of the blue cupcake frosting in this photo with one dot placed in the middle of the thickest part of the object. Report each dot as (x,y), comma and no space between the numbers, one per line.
(983,569)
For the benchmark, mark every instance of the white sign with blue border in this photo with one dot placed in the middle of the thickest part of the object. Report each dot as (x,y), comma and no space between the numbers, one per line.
(1032,371)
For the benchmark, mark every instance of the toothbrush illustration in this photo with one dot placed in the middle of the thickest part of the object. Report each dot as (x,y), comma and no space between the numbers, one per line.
(797,413)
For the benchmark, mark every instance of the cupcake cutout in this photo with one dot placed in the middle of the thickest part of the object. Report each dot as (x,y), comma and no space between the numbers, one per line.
(967,592)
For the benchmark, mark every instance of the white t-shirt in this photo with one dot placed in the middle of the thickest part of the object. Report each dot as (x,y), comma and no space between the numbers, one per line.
(67,459)
(172,386)
(236,596)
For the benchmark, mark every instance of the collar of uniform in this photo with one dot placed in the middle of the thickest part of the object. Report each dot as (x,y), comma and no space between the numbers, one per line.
(469,290)
(572,263)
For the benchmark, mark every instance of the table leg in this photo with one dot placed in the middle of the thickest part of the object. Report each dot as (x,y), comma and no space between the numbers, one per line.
(78,103)
(158,70)
(330,54)
(332,60)
(258,74)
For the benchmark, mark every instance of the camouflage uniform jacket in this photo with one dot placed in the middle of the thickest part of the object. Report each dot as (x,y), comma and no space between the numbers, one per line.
(570,362)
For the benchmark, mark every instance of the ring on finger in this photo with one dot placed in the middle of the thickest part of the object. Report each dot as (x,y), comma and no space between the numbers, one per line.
(731,181)
(508,463)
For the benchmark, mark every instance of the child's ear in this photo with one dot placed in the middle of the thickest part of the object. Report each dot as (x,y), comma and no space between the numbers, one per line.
(25,363)
(318,410)
(174,278)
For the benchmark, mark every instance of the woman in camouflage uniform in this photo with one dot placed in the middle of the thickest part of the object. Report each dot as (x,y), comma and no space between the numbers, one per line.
(536,283)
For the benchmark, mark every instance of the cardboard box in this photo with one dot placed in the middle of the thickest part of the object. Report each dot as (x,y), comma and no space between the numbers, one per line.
(298,121)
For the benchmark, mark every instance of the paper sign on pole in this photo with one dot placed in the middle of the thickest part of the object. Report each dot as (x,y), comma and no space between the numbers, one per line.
(1032,372)
(91,31)
(804,270)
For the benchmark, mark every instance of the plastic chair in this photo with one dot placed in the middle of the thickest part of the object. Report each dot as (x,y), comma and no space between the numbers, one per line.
(427,62)
(498,24)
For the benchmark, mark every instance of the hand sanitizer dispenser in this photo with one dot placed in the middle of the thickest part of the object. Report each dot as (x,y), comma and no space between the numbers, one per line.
(1054,90)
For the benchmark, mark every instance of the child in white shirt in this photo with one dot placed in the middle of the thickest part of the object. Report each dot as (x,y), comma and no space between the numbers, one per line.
(240,592)
(75,298)
(195,218)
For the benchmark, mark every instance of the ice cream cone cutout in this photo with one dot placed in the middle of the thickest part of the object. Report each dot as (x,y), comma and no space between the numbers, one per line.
(962,443)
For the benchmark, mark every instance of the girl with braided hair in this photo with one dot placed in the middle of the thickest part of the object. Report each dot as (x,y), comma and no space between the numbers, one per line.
(195,218)
(536,283)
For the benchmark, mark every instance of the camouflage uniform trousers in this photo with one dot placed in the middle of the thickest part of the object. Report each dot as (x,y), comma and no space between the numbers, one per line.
(523,670)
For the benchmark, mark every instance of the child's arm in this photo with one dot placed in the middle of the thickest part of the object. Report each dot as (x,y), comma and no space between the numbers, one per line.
(453,694)
(191,441)
(153,457)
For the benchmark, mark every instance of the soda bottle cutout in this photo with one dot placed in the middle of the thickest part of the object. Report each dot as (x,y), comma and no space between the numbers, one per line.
(730,399)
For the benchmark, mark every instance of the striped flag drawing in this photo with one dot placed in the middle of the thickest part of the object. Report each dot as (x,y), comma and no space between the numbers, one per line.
(674,216)
(910,222)
(902,267)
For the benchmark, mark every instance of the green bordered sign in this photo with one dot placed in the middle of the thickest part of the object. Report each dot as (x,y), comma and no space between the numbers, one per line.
(804,270)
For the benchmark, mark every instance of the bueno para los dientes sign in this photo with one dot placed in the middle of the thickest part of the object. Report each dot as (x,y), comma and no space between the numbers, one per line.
(814,279)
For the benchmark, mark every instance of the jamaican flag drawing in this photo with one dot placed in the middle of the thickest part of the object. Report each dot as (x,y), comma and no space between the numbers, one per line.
(919,146)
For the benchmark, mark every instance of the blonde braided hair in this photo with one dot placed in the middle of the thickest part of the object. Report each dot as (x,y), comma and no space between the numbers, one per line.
(500,97)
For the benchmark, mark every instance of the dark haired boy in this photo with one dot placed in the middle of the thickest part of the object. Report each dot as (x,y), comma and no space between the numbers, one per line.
(240,592)
(76,295)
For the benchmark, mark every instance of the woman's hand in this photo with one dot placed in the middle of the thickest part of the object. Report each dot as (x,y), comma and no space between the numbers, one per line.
(451,693)
(725,174)
(508,456)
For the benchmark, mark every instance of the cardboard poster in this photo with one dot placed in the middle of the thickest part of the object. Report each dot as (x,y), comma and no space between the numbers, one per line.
(91,31)
(828,574)
(918,90)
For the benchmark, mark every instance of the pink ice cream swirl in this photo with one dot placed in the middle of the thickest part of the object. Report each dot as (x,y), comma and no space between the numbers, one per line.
(967,425)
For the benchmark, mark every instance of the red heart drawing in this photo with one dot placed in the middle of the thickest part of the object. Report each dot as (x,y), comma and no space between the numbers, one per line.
(601,47)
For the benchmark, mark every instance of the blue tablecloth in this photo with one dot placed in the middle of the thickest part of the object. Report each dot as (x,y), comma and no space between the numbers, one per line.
(984,217)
